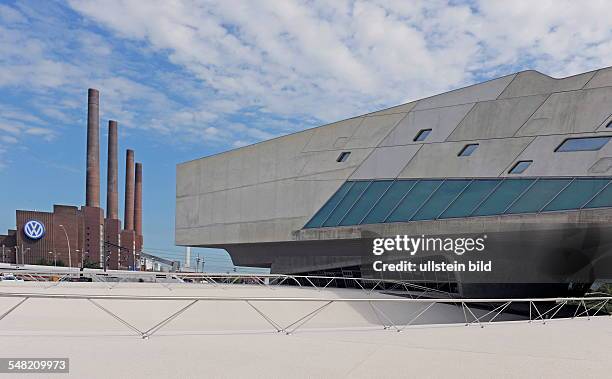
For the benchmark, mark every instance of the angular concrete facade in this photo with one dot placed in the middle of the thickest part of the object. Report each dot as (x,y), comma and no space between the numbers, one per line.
(256,201)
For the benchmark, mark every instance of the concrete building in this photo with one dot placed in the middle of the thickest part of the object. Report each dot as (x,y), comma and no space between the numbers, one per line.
(8,242)
(523,160)
(83,236)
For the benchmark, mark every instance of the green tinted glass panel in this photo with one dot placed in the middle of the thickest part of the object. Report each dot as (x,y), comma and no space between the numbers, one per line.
(538,195)
(370,202)
(389,200)
(443,196)
(576,194)
(470,198)
(325,211)
(603,199)
(503,196)
(365,202)
(413,201)
(346,203)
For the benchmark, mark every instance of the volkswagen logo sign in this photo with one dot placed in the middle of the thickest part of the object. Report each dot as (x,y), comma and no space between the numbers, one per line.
(34,229)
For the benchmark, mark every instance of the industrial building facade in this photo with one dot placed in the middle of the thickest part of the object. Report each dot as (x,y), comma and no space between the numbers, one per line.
(524,159)
(82,237)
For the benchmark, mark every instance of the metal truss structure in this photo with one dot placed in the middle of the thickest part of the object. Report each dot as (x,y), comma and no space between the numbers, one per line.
(113,278)
(541,310)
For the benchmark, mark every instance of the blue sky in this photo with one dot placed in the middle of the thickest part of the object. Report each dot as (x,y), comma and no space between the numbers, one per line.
(187,79)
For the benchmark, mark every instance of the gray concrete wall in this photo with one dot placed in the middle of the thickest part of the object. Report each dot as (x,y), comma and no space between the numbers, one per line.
(268,191)
(603,78)
(548,162)
(441,160)
(570,112)
(442,121)
(386,162)
(497,118)
(489,90)
(535,83)
(263,192)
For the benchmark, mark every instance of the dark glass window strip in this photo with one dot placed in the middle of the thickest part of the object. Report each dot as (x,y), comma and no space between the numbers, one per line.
(402,200)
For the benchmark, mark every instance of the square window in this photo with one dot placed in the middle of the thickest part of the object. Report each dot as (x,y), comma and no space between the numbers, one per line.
(468,150)
(520,167)
(422,135)
(583,144)
(343,156)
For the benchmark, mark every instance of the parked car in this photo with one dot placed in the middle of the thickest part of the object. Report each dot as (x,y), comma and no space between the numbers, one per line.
(10,278)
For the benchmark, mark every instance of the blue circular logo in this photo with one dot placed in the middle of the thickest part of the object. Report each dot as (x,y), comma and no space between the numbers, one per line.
(34,229)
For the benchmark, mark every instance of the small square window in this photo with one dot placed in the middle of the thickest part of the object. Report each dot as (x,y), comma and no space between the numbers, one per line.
(468,150)
(343,156)
(520,167)
(422,135)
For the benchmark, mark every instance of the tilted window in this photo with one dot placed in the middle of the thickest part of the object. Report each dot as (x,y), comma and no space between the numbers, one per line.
(422,135)
(583,144)
(520,167)
(468,150)
(343,156)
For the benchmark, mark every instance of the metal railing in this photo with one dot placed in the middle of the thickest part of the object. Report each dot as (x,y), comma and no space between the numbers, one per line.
(114,278)
(540,309)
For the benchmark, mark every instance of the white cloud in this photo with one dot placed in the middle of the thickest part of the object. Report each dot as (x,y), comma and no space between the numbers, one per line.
(252,132)
(47,134)
(10,15)
(235,72)
(94,43)
(296,58)
(8,139)
(10,128)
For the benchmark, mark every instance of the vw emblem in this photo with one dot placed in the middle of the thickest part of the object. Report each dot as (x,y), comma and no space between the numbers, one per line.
(34,229)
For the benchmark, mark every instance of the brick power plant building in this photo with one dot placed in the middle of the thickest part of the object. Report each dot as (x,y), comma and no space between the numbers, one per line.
(83,236)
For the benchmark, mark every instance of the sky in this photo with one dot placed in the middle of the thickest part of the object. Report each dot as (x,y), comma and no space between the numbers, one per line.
(186,79)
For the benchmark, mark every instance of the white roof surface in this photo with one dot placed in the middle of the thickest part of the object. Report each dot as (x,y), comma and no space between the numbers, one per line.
(230,339)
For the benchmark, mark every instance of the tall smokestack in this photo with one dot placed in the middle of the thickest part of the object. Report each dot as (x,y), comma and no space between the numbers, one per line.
(138,200)
(129,191)
(92,180)
(112,186)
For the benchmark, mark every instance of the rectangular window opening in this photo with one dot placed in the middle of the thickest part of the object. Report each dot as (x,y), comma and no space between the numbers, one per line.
(343,156)
(422,135)
(520,167)
(583,144)
(468,150)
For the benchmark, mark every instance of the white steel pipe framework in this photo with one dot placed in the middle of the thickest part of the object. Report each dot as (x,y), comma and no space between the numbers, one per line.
(554,306)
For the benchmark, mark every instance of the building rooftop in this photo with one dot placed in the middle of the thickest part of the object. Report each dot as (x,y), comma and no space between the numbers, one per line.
(230,339)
